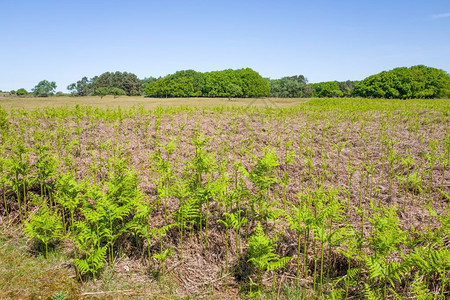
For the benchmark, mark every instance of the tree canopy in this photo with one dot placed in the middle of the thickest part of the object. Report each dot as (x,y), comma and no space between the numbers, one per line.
(82,87)
(21,92)
(125,81)
(327,89)
(289,87)
(128,82)
(298,87)
(347,87)
(226,83)
(102,92)
(44,88)
(414,82)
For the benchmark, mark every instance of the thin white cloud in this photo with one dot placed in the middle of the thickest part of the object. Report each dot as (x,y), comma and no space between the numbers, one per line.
(440,16)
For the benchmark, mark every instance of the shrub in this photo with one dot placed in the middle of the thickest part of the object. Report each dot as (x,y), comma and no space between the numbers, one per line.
(22,92)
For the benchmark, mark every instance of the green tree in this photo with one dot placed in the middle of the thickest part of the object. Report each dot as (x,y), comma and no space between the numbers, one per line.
(347,87)
(82,87)
(144,82)
(128,82)
(22,92)
(288,87)
(308,91)
(222,84)
(252,84)
(44,88)
(414,82)
(117,92)
(226,83)
(102,91)
(327,89)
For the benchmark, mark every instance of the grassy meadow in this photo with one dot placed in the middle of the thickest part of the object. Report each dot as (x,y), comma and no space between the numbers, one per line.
(214,198)
(125,102)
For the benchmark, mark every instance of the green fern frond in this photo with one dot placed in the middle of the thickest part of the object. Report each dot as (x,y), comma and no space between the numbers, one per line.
(164,255)
(45,226)
(369,294)
(420,289)
(278,263)
(376,269)
(261,251)
(93,261)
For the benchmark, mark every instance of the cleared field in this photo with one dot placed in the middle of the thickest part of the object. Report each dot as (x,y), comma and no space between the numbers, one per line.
(146,103)
(328,198)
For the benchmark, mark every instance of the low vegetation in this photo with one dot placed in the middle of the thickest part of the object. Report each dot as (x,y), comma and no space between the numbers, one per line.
(330,198)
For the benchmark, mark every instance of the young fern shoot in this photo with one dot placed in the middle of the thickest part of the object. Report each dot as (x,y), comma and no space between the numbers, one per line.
(261,253)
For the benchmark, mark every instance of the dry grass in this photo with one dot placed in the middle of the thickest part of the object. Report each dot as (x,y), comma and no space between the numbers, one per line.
(24,274)
(30,103)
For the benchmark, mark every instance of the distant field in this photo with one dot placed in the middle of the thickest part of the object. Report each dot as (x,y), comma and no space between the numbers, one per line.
(147,103)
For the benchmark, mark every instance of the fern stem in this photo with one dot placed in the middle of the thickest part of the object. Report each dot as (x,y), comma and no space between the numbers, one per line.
(347,284)
(305,251)
(165,204)
(181,245)
(443,283)
(321,266)
(25,199)
(18,199)
(206,224)
(4,201)
(148,253)
(298,258)
(226,249)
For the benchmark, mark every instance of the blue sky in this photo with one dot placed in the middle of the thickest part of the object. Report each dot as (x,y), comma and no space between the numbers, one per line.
(63,41)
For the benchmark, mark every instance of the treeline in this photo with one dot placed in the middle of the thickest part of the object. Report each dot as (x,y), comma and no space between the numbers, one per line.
(108,83)
(403,83)
(290,87)
(298,87)
(187,83)
(113,83)
(227,83)
(243,83)
(415,82)
(400,83)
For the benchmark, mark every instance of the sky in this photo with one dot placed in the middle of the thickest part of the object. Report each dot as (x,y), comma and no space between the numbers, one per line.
(324,40)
